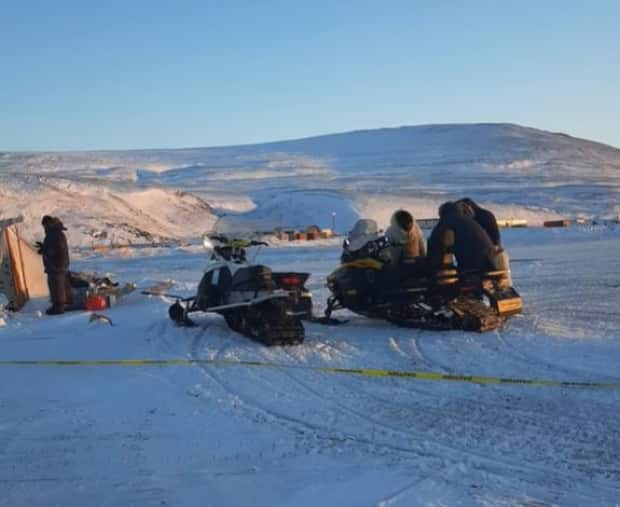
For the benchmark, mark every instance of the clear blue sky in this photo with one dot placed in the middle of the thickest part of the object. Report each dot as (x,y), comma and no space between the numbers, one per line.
(138,74)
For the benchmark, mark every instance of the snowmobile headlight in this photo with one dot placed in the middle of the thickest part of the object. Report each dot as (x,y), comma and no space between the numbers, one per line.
(207,244)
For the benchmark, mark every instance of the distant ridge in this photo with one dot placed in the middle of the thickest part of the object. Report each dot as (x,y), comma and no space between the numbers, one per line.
(520,171)
(427,128)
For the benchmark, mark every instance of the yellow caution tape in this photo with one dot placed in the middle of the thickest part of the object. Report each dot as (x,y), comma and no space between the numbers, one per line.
(365,372)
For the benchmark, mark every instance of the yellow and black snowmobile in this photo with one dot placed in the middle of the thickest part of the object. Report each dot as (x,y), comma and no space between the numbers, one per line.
(411,294)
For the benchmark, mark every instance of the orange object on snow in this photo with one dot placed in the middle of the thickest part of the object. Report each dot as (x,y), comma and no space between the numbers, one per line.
(95,302)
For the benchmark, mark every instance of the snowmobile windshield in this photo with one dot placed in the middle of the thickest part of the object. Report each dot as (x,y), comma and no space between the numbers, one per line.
(364,226)
(363,232)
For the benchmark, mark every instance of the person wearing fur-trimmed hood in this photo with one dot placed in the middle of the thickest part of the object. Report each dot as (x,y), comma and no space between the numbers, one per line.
(405,237)
(485,218)
(457,232)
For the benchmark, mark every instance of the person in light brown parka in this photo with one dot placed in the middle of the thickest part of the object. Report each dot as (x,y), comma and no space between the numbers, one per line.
(405,237)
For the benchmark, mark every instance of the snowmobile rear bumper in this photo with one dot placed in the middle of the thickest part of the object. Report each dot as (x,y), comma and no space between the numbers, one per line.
(506,302)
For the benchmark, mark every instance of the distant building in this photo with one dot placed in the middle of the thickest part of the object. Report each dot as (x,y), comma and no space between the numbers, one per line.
(313,232)
(557,223)
(281,234)
(512,222)
(286,234)
(310,233)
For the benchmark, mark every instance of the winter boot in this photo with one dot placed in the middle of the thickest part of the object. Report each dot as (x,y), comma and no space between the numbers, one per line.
(55,310)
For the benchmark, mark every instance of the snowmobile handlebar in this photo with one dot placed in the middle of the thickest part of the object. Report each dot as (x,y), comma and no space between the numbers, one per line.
(216,237)
(372,246)
(235,242)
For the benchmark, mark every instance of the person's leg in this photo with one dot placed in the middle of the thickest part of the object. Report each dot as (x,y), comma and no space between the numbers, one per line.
(56,284)
(50,285)
(68,292)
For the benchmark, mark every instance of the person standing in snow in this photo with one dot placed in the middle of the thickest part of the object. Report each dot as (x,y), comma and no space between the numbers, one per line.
(459,233)
(55,253)
(405,237)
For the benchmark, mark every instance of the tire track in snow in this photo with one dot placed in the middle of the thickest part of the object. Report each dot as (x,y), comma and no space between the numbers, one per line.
(531,415)
(463,402)
(426,444)
(438,413)
(512,352)
(295,424)
(419,354)
(421,447)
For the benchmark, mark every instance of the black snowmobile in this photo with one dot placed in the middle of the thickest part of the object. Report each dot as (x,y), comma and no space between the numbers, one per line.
(265,306)
(410,294)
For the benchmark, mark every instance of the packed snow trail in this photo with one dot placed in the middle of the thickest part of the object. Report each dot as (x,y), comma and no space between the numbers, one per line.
(209,435)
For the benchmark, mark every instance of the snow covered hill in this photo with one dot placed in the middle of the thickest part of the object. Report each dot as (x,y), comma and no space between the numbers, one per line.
(516,171)
(103,213)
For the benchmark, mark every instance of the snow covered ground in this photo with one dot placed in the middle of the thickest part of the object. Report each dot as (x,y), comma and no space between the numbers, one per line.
(237,435)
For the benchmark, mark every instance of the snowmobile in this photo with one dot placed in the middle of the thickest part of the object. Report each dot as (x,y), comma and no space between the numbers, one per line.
(265,306)
(410,294)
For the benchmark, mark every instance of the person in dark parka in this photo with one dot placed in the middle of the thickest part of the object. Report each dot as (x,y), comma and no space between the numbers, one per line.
(460,234)
(484,217)
(55,253)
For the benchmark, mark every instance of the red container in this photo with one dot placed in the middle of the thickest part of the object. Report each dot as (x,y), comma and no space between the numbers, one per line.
(95,302)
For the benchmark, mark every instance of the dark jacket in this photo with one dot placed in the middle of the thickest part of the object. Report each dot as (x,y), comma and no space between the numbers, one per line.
(469,242)
(484,217)
(55,249)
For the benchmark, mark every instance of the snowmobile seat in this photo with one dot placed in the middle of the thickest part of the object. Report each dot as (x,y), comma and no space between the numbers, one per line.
(212,290)
(416,263)
(416,268)
(253,278)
